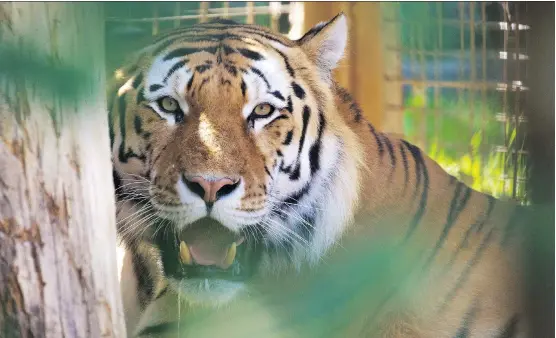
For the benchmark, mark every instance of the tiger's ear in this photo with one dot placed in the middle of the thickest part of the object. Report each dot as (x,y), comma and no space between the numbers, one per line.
(325,44)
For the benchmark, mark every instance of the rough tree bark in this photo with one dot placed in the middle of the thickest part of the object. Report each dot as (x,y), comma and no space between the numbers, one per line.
(58,274)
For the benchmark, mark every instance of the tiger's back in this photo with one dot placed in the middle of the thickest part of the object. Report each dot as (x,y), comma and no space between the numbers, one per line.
(378,239)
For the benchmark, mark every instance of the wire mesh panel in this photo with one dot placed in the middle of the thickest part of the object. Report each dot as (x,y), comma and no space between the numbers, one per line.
(130,25)
(461,75)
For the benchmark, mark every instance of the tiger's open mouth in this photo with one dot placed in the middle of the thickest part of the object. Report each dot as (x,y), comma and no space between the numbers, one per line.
(207,250)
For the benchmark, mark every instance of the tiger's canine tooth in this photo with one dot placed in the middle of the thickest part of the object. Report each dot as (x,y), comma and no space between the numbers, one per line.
(185,256)
(231,255)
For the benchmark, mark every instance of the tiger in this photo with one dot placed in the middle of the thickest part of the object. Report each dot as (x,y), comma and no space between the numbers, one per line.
(247,178)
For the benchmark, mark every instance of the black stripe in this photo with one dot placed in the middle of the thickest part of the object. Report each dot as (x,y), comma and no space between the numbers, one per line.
(491,201)
(228,50)
(145,284)
(510,328)
(268,172)
(230,69)
(286,62)
(314,152)
(289,68)
(261,75)
(293,199)
(184,51)
(205,80)
(250,54)
(137,81)
(117,184)
(378,141)
(111,119)
(353,106)
(289,137)
(390,150)
(290,104)
(163,292)
(468,267)
(477,227)
(256,31)
(313,31)
(243,87)
(470,316)
(405,166)
(180,52)
(278,95)
(306,115)
(174,68)
(279,117)
(190,82)
(122,113)
(140,95)
(283,169)
(155,87)
(164,44)
(211,38)
(137,123)
(420,169)
(298,91)
(453,213)
(202,68)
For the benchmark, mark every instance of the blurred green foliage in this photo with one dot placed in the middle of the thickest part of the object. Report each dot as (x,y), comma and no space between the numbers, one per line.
(47,75)
(476,161)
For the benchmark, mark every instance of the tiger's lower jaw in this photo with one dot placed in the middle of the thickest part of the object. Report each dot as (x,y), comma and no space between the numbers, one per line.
(207,292)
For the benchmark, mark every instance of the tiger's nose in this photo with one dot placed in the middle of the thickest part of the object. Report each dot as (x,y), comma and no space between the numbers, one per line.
(210,190)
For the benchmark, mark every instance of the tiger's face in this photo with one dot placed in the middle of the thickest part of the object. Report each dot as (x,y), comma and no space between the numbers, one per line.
(219,143)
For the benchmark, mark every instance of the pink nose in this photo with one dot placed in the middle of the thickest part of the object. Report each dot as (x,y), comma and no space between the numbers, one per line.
(211,190)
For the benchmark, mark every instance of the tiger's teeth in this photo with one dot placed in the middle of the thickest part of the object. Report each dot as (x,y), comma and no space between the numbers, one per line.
(185,256)
(231,255)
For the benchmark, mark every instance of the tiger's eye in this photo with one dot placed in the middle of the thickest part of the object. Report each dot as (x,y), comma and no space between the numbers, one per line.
(169,104)
(263,109)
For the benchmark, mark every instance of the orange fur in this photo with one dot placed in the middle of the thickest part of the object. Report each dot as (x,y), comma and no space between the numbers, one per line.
(461,257)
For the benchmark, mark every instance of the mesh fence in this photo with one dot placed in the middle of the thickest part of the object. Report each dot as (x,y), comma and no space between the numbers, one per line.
(461,79)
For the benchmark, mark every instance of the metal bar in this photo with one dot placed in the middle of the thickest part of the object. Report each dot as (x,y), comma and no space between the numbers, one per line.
(484,137)
(177,12)
(203,11)
(492,55)
(275,10)
(250,13)
(449,84)
(516,112)
(226,9)
(473,75)
(461,48)
(155,19)
(493,25)
(506,80)
(422,66)
(437,53)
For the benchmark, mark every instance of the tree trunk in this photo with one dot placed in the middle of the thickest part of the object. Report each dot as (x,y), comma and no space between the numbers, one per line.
(58,275)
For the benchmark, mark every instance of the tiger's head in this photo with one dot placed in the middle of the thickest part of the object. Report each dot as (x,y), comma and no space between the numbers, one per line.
(230,155)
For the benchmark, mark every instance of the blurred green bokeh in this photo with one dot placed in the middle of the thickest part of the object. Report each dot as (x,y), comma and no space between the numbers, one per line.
(49,77)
